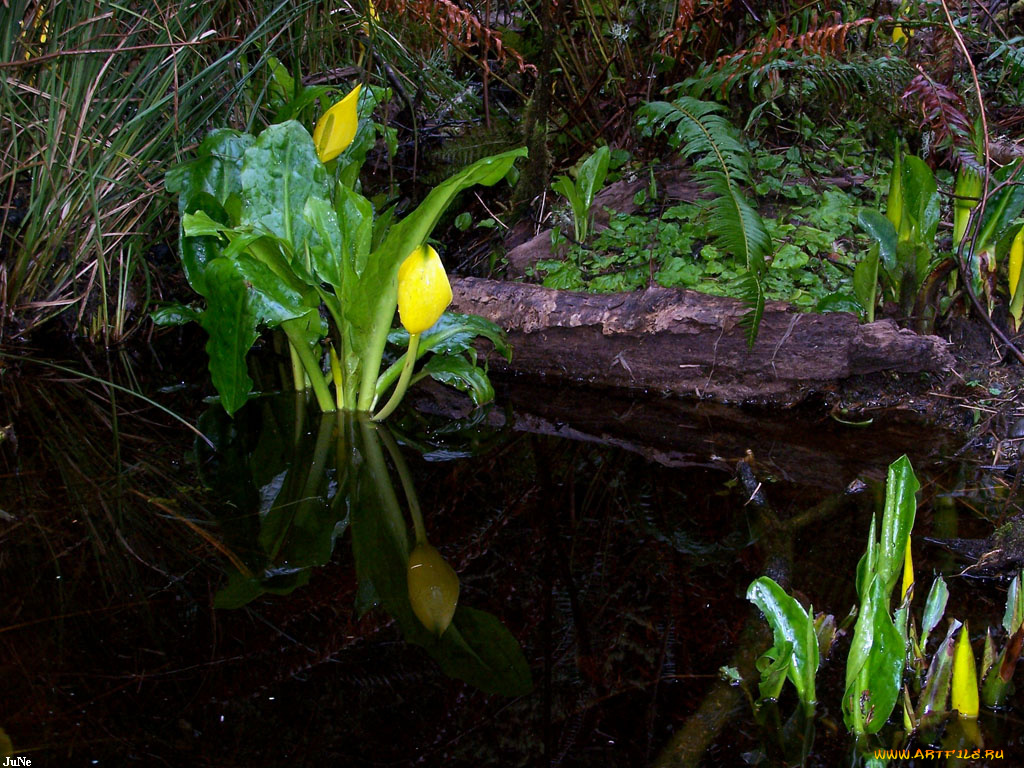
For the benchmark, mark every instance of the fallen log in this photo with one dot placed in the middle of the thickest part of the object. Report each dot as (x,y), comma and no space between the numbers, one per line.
(688,343)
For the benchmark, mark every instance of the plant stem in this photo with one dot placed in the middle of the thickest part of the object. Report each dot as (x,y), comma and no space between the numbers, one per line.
(407,485)
(373,352)
(298,372)
(309,363)
(378,471)
(403,380)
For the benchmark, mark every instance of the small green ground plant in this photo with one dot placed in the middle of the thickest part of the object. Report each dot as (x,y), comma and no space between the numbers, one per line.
(813,231)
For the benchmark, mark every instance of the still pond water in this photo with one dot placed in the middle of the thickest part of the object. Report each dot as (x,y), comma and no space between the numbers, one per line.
(237,600)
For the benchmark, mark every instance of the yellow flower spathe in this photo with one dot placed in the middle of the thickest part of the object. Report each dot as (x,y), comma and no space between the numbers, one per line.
(336,128)
(424,292)
(965,677)
(908,571)
(433,588)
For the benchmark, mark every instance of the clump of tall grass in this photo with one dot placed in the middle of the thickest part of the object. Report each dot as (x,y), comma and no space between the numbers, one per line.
(97,100)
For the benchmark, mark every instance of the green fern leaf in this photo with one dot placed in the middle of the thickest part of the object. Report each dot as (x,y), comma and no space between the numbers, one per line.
(721,164)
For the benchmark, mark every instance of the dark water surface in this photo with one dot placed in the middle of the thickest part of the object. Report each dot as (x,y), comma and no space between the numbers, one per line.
(607,538)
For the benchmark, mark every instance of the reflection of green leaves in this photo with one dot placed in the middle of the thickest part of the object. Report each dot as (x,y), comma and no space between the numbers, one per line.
(286,492)
(796,642)
(476,648)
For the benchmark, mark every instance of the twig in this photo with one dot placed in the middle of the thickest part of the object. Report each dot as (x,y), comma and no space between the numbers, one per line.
(90,51)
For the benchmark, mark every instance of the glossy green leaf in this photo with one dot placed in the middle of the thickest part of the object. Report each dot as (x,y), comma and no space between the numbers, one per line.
(791,625)
(897,520)
(868,563)
(216,168)
(874,668)
(1004,207)
(411,232)
(591,176)
(456,371)
(281,171)
(452,335)
(935,694)
(774,667)
(176,314)
(325,242)
(881,230)
(934,608)
(231,324)
(1013,615)
(920,198)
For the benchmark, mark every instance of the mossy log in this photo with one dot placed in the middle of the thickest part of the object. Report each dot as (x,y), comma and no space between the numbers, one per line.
(688,343)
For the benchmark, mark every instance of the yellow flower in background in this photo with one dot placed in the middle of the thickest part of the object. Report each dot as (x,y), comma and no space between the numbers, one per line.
(433,588)
(424,292)
(336,128)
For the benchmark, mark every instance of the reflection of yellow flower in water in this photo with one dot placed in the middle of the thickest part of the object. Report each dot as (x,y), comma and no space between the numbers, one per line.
(433,588)
(336,127)
(424,292)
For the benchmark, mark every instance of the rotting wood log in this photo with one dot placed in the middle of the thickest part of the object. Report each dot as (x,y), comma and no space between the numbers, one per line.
(688,343)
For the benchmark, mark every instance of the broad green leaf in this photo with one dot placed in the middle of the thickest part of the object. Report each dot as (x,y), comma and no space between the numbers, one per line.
(868,563)
(920,198)
(874,668)
(381,270)
(456,371)
(840,302)
(355,219)
(216,168)
(454,333)
(272,300)
(176,314)
(565,186)
(591,177)
(231,324)
(881,230)
(281,171)
(199,244)
(790,625)
(897,520)
(325,245)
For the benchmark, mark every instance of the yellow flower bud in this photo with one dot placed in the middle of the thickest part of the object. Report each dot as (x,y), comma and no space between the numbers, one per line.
(965,677)
(433,588)
(908,570)
(1016,260)
(336,128)
(424,292)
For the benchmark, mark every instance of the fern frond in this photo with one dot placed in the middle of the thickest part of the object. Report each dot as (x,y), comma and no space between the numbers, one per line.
(943,111)
(751,291)
(721,164)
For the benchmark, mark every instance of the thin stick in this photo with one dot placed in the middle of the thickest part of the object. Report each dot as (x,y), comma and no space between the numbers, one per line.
(90,51)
